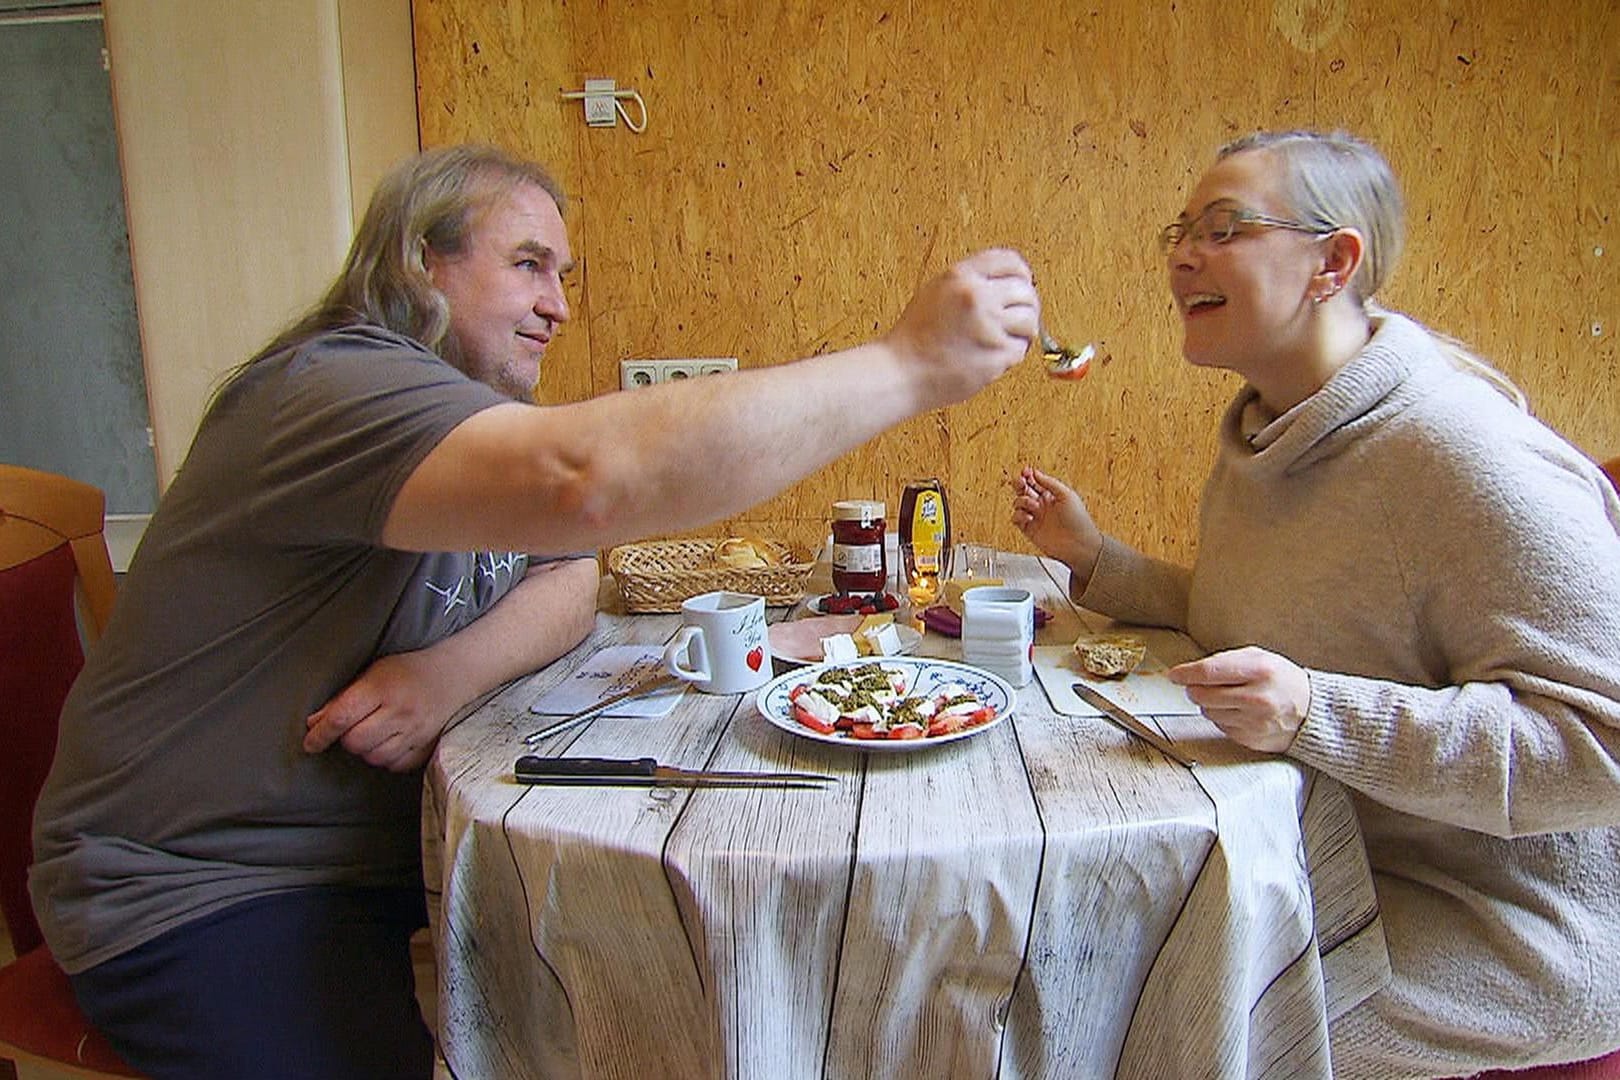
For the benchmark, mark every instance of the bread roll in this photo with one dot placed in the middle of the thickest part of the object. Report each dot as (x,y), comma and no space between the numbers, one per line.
(1110,656)
(745,553)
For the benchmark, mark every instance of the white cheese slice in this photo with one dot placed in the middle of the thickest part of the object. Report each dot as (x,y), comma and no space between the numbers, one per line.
(838,648)
(818,707)
(886,640)
(868,714)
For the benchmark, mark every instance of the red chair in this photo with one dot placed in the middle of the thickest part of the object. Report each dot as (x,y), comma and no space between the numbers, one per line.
(53,560)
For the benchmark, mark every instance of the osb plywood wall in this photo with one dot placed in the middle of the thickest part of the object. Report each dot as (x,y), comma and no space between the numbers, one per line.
(808,163)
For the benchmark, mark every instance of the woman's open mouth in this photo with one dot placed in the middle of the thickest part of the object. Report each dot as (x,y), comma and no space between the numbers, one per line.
(1197,303)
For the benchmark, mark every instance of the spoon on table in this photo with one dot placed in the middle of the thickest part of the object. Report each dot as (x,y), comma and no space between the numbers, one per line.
(1063,362)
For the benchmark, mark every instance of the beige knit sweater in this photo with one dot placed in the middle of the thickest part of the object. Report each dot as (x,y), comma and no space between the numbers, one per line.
(1448,570)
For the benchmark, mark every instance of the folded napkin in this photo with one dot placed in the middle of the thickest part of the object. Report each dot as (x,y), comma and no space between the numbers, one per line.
(610,671)
(942,620)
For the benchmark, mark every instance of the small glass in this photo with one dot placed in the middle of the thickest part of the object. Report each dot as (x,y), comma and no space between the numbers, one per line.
(976,561)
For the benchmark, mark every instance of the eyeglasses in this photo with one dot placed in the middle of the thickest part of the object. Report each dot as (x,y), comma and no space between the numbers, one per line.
(1218,224)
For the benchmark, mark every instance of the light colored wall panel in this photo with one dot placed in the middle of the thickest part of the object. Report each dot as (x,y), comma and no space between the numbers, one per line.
(235,148)
(379,91)
(807,164)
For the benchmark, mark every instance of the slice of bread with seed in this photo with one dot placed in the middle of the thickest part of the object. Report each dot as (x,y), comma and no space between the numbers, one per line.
(1110,656)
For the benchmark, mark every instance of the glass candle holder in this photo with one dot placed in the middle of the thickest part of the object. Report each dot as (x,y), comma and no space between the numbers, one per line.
(920,582)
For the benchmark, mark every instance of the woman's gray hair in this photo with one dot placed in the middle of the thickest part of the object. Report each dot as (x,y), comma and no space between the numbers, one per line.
(1333,180)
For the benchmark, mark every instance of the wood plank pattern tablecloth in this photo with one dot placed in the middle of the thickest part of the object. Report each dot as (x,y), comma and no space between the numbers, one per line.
(1045,899)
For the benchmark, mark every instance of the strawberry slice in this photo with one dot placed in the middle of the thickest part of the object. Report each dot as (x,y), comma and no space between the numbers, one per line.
(811,720)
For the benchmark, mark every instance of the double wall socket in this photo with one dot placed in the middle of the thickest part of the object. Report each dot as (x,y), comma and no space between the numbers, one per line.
(634,373)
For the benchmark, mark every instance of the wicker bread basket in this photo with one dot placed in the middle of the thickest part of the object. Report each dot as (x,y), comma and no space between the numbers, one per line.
(658,574)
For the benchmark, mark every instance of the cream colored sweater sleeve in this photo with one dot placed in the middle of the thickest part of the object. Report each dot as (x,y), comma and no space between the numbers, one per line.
(1514,595)
(1135,588)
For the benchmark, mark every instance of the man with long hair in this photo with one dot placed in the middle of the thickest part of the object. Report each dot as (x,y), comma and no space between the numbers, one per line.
(373,526)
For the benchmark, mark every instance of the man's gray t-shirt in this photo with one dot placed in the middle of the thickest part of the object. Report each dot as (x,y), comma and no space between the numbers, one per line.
(260,590)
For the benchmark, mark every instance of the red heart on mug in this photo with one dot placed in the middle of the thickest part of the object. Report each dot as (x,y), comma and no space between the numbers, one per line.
(756,657)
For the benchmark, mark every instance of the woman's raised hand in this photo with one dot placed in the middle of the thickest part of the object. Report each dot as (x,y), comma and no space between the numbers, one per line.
(1055,518)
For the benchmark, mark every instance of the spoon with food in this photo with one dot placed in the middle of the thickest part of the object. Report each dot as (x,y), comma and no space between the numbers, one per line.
(1063,362)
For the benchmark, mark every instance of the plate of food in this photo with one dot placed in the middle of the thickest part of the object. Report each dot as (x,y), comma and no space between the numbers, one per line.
(894,703)
(822,637)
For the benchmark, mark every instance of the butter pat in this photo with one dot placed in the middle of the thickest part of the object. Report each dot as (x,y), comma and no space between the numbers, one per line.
(838,648)
(885,641)
(955,587)
(865,635)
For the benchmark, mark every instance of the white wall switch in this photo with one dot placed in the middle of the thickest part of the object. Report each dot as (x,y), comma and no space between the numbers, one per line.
(600,108)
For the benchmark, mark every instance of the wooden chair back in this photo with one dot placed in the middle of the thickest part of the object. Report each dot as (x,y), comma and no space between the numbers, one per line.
(40,511)
(56,584)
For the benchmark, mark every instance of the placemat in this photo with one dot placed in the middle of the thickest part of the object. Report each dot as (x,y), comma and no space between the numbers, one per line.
(610,671)
(1146,691)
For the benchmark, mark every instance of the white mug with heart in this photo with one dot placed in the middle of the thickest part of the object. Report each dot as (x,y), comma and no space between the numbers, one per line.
(722,646)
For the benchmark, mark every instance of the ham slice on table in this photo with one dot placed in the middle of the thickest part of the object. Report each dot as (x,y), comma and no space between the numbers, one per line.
(801,638)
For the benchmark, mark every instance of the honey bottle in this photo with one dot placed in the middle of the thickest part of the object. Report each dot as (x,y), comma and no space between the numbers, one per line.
(925,533)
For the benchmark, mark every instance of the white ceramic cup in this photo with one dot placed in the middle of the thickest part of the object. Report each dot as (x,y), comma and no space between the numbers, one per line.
(998,632)
(722,646)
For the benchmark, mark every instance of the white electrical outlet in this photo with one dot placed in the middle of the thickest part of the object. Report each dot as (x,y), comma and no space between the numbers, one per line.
(634,373)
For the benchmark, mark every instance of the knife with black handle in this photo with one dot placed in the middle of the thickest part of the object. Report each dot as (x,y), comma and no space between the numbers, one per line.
(646,772)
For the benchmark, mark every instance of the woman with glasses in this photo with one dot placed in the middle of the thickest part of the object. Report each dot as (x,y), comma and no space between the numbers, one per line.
(1404,581)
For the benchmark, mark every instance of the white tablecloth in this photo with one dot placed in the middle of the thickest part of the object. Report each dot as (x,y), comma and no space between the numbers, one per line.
(1046,899)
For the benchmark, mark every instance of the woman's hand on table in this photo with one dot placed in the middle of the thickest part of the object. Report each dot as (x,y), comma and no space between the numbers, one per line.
(1055,518)
(390,717)
(1258,698)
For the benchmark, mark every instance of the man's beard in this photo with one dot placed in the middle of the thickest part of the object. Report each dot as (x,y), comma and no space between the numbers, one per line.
(503,379)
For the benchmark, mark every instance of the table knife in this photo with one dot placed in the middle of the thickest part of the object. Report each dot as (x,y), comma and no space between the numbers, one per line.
(1125,721)
(645,686)
(646,772)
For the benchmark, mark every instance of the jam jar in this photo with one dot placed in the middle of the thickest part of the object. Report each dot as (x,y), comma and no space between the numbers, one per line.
(859,562)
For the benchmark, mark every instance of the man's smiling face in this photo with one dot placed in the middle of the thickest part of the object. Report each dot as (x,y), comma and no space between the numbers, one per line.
(506,290)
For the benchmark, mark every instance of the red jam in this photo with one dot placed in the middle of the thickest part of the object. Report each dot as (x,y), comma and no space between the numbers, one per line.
(860,564)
